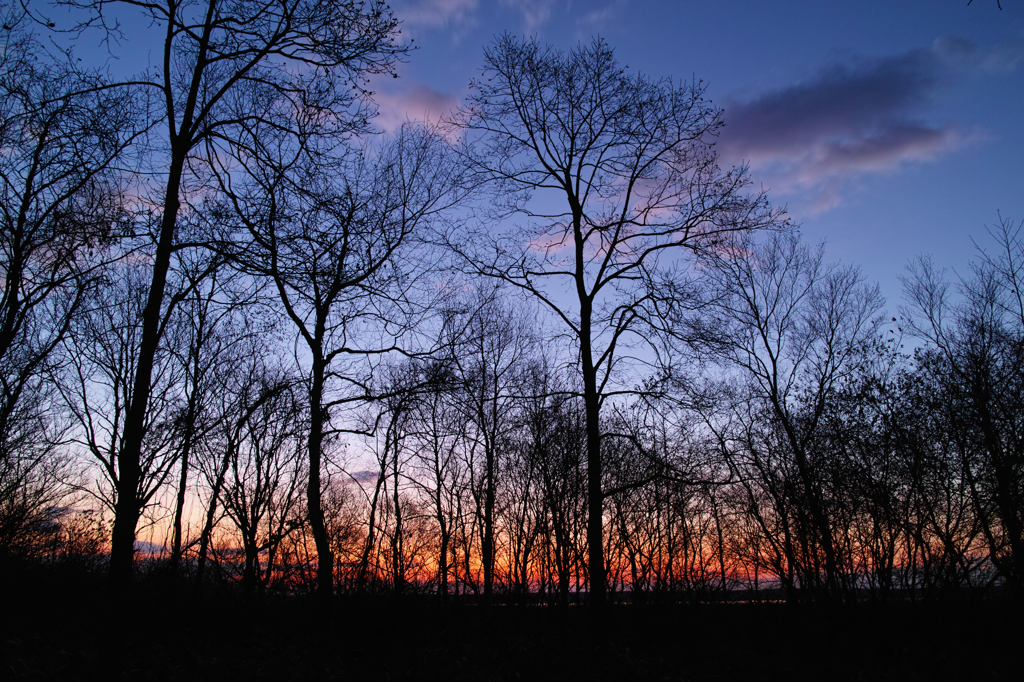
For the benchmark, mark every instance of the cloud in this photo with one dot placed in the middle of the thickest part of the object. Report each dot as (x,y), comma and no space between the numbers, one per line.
(535,13)
(955,49)
(436,13)
(844,102)
(1006,57)
(365,476)
(599,18)
(881,150)
(417,104)
(965,54)
(853,118)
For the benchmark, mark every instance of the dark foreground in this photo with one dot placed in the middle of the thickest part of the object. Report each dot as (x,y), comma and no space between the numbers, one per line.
(64,628)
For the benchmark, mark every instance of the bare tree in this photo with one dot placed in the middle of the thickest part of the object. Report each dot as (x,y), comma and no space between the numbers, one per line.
(60,210)
(102,353)
(612,178)
(394,420)
(226,66)
(214,331)
(554,434)
(262,493)
(438,429)
(979,341)
(336,244)
(948,548)
(795,328)
(242,382)
(489,358)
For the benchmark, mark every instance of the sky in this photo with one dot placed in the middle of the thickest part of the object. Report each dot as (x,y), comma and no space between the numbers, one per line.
(888,128)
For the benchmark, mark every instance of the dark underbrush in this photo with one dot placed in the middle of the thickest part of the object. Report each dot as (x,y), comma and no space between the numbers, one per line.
(67,626)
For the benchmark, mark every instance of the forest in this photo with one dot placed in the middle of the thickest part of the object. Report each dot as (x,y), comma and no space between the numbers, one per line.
(546,352)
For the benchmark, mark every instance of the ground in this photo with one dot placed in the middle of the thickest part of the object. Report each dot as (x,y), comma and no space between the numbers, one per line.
(60,627)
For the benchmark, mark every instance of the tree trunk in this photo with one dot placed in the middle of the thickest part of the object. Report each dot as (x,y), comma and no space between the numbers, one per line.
(186,453)
(179,506)
(397,568)
(721,545)
(191,415)
(364,561)
(442,565)
(249,574)
(487,548)
(325,558)
(445,530)
(595,496)
(128,506)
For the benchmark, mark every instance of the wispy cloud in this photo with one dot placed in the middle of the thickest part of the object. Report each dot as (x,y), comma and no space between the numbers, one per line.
(435,13)
(862,116)
(535,13)
(966,54)
(599,18)
(416,104)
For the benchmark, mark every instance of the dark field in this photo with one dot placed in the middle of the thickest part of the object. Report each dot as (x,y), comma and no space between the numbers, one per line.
(68,628)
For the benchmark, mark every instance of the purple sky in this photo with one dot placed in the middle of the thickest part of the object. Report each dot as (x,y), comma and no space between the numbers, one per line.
(888,128)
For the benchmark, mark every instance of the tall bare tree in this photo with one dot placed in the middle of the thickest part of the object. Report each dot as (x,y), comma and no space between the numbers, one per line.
(60,212)
(225,66)
(102,354)
(338,249)
(490,358)
(612,177)
(555,433)
(213,327)
(243,381)
(438,430)
(262,493)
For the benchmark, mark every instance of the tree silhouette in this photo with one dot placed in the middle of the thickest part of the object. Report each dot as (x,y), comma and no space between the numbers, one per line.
(60,214)
(796,328)
(611,178)
(228,66)
(979,364)
(332,233)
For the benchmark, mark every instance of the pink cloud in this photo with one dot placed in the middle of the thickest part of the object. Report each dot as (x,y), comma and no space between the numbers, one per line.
(417,104)
(826,161)
(549,243)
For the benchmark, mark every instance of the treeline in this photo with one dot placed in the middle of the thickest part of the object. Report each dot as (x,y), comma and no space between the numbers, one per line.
(547,350)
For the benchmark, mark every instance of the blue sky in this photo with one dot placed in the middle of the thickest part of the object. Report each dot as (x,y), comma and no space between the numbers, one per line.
(888,128)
